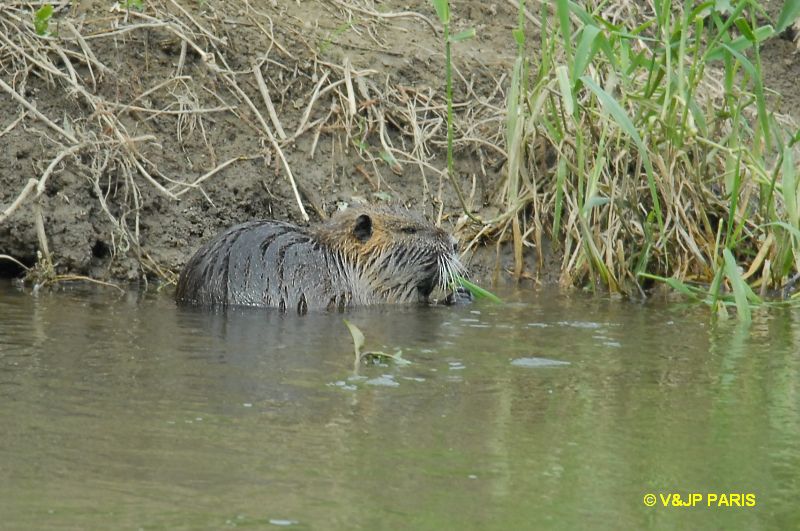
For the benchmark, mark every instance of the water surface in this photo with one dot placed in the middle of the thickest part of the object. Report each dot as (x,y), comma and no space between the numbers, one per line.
(553,411)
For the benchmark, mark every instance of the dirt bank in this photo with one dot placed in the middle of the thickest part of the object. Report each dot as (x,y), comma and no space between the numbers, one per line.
(149,130)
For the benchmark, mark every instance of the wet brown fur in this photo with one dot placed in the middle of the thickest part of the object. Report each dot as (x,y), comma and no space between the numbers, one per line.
(362,255)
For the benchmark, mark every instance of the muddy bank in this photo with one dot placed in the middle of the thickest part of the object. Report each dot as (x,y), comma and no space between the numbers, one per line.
(150,130)
(194,115)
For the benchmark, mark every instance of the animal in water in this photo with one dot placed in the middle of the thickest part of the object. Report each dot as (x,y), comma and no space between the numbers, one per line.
(362,255)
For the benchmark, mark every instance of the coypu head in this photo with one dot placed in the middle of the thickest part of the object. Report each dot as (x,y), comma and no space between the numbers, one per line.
(401,256)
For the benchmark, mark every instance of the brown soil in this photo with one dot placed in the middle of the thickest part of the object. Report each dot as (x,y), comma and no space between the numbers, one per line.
(193,120)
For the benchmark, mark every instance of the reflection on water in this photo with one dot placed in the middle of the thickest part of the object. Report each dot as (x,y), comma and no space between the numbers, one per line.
(551,411)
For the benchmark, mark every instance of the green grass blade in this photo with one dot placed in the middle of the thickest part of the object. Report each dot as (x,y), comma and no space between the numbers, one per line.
(463,35)
(562,9)
(585,51)
(623,120)
(358,337)
(561,174)
(477,291)
(565,87)
(734,194)
(677,285)
(787,16)
(584,16)
(789,187)
(615,110)
(442,8)
(758,89)
(740,288)
(794,231)
(740,44)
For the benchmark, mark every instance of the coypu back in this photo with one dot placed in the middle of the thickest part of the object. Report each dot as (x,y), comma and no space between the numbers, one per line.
(362,255)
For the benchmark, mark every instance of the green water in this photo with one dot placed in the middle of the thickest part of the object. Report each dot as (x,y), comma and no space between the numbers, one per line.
(126,412)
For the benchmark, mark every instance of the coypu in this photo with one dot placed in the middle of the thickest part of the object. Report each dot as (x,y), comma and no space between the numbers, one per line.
(362,255)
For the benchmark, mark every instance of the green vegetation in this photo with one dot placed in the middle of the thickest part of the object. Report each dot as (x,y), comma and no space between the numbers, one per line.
(333,36)
(443,12)
(637,137)
(138,5)
(670,165)
(476,291)
(371,355)
(41,19)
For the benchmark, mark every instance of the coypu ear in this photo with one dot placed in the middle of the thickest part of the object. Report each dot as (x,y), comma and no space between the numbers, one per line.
(363,228)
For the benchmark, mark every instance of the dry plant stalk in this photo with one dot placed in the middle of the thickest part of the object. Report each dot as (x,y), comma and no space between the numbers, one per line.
(389,125)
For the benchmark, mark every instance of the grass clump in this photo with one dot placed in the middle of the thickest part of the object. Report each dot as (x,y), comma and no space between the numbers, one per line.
(641,140)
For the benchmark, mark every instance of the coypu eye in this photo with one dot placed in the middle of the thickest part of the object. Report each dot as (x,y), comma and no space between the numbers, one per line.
(409,230)
(363,228)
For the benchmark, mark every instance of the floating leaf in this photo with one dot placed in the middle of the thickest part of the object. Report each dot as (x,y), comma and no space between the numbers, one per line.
(535,363)
(358,344)
(358,337)
(378,357)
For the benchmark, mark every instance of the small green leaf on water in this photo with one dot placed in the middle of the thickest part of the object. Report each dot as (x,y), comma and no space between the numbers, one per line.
(477,291)
(41,19)
(358,337)
(534,363)
(358,344)
(382,357)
